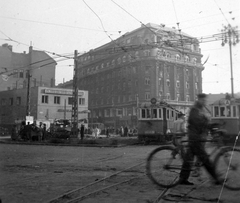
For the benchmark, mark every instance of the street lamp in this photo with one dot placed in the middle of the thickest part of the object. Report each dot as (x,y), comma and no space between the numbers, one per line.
(230,36)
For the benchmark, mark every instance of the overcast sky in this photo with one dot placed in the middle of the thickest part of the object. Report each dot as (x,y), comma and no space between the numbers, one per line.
(62,26)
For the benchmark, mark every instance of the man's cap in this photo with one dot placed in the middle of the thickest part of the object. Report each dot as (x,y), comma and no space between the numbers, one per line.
(201,96)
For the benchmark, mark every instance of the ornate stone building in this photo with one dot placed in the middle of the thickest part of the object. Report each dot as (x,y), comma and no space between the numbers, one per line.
(152,61)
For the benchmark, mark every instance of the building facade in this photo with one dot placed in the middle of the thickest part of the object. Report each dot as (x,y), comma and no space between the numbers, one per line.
(15,67)
(152,61)
(46,104)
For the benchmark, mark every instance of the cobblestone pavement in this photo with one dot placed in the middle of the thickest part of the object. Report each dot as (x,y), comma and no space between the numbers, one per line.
(40,173)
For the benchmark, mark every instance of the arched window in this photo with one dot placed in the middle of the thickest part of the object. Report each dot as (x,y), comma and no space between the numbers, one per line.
(168,55)
(186,58)
(194,60)
(177,57)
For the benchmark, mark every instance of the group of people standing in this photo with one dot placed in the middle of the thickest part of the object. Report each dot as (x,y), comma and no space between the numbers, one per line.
(29,131)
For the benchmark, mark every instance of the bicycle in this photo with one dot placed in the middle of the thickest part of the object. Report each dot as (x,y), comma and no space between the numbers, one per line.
(163,168)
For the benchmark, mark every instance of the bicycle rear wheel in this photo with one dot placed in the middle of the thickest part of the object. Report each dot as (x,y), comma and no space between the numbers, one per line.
(162,168)
(227,163)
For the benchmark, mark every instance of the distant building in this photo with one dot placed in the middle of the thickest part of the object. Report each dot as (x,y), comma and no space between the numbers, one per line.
(14,68)
(152,61)
(46,104)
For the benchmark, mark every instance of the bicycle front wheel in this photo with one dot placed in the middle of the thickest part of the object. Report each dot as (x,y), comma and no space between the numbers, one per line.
(162,168)
(227,164)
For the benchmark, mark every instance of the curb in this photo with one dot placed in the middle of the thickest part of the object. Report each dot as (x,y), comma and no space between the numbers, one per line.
(62,144)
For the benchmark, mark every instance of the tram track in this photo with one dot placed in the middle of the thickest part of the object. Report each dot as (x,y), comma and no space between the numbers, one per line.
(167,196)
(103,184)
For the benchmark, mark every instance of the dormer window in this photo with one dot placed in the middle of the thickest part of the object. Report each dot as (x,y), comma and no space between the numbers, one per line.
(186,59)
(177,57)
(124,59)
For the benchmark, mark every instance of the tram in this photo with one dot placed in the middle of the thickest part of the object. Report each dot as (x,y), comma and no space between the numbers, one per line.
(155,121)
(226,111)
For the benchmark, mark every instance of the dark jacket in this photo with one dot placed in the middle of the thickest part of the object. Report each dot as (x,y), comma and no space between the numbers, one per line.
(197,120)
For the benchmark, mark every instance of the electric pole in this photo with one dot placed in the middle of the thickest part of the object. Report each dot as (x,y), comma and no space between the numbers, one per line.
(230,36)
(28,93)
(75,98)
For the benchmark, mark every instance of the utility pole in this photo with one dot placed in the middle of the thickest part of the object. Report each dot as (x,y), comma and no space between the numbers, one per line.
(75,98)
(28,93)
(230,36)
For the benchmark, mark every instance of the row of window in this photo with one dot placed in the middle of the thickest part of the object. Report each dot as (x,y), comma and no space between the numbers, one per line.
(45,100)
(133,57)
(10,101)
(129,98)
(59,100)
(120,99)
(225,111)
(127,111)
(126,85)
(156,114)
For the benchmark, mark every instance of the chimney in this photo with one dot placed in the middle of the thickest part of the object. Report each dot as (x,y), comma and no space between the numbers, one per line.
(30,49)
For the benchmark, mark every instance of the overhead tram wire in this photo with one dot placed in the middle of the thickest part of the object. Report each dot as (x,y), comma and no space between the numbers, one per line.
(201,18)
(222,12)
(155,33)
(26,67)
(55,24)
(114,41)
(179,30)
(146,26)
(10,39)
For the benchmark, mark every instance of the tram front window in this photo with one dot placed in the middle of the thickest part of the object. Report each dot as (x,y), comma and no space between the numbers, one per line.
(216,111)
(222,111)
(228,109)
(148,113)
(154,113)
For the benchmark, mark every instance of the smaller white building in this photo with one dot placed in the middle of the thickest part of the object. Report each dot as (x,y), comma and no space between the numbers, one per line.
(46,105)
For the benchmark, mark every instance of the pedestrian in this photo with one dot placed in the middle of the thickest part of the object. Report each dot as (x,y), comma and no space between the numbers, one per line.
(179,131)
(44,131)
(197,129)
(82,129)
(28,130)
(121,131)
(107,132)
(40,132)
(96,132)
(126,131)
(14,135)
